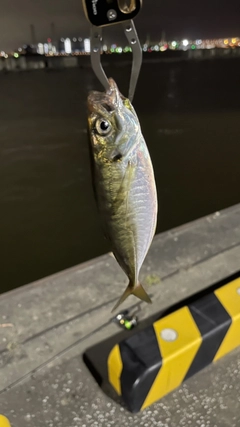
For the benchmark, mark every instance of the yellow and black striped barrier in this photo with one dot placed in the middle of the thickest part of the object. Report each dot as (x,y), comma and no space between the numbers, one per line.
(148,364)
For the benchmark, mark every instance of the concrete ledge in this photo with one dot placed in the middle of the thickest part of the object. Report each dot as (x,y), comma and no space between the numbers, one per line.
(47,325)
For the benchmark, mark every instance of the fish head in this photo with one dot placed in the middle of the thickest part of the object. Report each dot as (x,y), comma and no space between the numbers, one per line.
(113,124)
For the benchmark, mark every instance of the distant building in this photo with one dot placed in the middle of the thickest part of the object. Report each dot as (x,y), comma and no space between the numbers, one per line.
(87,46)
(45,47)
(68,45)
(40,48)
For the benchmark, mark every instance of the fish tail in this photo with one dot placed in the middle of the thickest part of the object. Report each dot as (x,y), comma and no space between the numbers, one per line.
(138,291)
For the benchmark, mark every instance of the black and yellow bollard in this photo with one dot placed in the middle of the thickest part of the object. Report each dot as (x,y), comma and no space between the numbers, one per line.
(4,421)
(152,362)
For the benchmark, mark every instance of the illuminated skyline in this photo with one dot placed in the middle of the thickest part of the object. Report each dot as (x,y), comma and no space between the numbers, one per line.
(80,45)
(213,18)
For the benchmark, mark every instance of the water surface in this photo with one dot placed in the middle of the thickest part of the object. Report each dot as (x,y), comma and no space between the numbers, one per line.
(189,112)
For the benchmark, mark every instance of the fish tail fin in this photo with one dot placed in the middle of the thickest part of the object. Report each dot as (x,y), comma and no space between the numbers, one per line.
(138,291)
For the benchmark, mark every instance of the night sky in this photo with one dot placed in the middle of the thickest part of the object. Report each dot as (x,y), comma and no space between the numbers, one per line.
(185,18)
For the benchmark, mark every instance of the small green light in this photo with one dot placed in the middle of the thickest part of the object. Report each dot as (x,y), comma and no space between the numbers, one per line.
(193,46)
(16,55)
(127,324)
(112,50)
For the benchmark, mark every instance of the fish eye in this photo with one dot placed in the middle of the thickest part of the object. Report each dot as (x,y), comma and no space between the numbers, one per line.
(103,127)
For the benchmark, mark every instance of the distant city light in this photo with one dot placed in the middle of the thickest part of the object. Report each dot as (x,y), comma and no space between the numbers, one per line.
(50,48)
(87,46)
(68,45)
(40,49)
(45,47)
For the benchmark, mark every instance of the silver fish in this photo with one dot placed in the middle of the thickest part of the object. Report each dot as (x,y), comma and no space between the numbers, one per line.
(123,181)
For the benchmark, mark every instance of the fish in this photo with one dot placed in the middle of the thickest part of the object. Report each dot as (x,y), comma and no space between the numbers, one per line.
(123,182)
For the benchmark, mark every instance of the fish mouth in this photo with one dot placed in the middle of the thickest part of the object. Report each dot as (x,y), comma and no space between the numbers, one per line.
(105,102)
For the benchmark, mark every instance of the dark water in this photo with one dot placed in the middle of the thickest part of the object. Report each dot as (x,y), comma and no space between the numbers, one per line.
(190,116)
